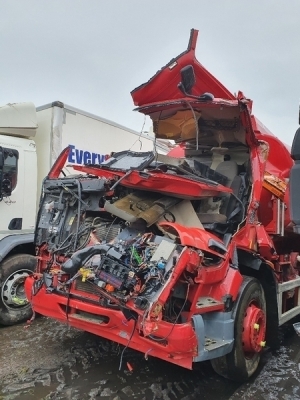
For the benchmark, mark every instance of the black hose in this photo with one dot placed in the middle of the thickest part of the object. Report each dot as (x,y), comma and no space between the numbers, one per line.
(79,258)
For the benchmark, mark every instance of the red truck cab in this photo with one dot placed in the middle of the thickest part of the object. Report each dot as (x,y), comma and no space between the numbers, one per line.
(185,259)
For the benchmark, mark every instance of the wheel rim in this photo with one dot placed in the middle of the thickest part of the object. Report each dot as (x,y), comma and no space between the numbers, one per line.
(254,330)
(13,291)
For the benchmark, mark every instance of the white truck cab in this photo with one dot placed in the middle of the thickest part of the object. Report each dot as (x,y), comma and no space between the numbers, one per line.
(18,192)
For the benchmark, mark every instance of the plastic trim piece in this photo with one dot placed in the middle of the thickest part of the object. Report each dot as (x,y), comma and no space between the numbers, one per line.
(215,333)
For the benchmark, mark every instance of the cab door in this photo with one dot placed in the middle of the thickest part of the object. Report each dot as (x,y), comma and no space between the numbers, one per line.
(13,193)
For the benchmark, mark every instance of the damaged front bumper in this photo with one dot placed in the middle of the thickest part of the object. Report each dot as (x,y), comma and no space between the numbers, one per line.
(174,343)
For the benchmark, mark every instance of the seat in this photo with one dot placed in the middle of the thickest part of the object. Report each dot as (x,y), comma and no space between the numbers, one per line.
(218,212)
(229,169)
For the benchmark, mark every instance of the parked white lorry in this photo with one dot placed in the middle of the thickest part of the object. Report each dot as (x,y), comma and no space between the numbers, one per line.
(30,140)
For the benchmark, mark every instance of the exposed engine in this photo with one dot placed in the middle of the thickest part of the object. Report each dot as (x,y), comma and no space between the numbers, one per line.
(115,244)
(134,266)
(108,257)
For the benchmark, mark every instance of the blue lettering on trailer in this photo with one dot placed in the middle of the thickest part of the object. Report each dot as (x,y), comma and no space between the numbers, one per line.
(79,156)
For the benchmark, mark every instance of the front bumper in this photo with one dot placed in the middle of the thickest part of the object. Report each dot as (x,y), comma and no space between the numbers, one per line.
(175,343)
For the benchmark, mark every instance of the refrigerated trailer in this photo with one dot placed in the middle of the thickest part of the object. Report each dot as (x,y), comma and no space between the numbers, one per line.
(30,141)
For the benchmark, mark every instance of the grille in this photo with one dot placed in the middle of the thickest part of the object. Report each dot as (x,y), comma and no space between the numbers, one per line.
(86,287)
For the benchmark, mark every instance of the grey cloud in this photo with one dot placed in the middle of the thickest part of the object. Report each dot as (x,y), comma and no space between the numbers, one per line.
(91,54)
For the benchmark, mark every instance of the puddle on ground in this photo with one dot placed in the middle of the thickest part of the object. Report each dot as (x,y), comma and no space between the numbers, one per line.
(49,360)
(279,378)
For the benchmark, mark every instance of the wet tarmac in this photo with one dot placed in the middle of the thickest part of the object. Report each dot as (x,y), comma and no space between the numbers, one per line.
(48,360)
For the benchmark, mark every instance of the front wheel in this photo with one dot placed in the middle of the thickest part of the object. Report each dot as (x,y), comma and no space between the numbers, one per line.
(249,334)
(14,306)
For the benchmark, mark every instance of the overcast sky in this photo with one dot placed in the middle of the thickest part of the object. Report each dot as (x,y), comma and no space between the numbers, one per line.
(91,53)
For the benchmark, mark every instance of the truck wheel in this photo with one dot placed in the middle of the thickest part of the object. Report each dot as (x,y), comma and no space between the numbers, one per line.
(14,306)
(249,334)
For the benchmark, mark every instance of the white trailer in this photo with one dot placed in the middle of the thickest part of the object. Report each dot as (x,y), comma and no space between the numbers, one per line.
(30,141)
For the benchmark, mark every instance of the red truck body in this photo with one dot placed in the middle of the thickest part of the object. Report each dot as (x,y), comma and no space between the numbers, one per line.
(186,258)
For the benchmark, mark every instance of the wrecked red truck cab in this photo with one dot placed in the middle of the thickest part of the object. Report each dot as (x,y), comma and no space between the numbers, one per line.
(185,259)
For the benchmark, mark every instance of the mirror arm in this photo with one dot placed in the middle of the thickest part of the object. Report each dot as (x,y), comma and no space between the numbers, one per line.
(204,97)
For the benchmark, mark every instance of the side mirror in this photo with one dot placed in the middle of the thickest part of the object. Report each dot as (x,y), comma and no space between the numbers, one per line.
(5,183)
(295,150)
(1,158)
(6,187)
(188,79)
(1,171)
(187,83)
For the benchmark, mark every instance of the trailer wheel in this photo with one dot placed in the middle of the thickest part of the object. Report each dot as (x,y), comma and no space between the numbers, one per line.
(14,306)
(249,334)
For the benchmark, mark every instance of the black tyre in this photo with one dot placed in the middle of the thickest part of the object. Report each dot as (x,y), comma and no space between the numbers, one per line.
(14,306)
(249,334)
